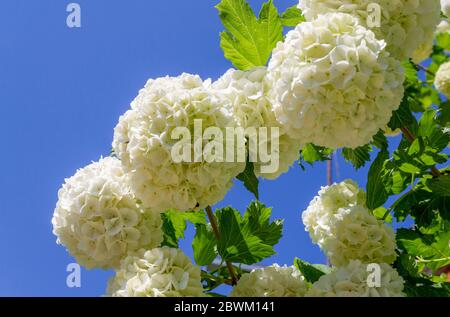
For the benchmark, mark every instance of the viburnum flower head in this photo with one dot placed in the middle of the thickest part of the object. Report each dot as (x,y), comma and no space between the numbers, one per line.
(98,220)
(272,281)
(423,52)
(404,25)
(322,210)
(160,272)
(342,226)
(445,7)
(144,142)
(353,280)
(248,94)
(333,83)
(442,79)
(356,234)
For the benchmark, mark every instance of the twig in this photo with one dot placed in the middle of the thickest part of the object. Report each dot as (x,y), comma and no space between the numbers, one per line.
(215,228)
(426,70)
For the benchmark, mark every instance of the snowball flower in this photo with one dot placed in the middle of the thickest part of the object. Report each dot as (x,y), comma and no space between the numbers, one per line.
(247,92)
(404,25)
(161,272)
(322,210)
(144,142)
(442,80)
(356,234)
(443,27)
(272,281)
(333,83)
(342,226)
(353,280)
(445,7)
(423,52)
(98,220)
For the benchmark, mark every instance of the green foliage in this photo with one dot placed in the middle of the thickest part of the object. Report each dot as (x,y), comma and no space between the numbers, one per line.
(204,244)
(377,193)
(250,238)
(432,251)
(174,225)
(248,41)
(249,179)
(359,156)
(311,272)
(292,16)
(311,153)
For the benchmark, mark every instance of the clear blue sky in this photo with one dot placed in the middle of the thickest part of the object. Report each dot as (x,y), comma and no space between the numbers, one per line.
(61,93)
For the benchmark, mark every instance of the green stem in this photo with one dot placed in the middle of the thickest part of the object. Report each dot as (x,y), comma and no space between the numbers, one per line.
(215,228)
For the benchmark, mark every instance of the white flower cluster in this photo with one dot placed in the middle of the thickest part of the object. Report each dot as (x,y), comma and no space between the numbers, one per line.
(352,281)
(272,281)
(98,220)
(442,79)
(423,52)
(143,141)
(248,94)
(319,216)
(445,7)
(333,83)
(161,272)
(404,25)
(342,226)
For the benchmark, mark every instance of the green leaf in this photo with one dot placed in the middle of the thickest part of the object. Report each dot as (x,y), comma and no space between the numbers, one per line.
(359,156)
(409,168)
(382,213)
(248,41)
(292,16)
(377,193)
(249,179)
(403,117)
(434,252)
(380,141)
(204,245)
(237,243)
(312,273)
(174,225)
(312,153)
(257,221)
(440,186)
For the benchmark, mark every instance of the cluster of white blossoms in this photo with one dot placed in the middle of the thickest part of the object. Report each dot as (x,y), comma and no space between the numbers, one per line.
(342,226)
(357,234)
(248,94)
(333,83)
(442,79)
(271,281)
(422,52)
(160,272)
(445,7)
(404,25)
(352,281)
(321,213)
(98,220)
(143,141)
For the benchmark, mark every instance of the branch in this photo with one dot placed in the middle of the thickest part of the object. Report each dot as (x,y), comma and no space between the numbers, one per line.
(426,70)
(215,228)
(410,137)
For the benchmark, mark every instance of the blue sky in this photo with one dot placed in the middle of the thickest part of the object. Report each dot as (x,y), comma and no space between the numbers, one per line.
(61,93)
